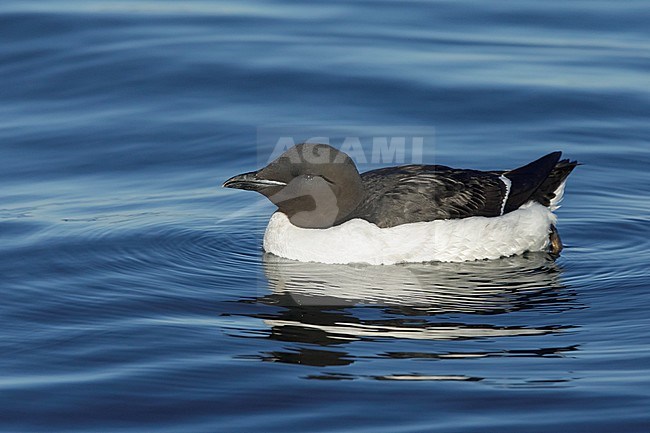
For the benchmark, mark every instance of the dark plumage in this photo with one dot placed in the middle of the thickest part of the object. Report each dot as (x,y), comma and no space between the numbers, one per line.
(317,186)
(414,193)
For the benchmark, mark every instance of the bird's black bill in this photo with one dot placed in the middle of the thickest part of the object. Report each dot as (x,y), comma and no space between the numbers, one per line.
(250,182)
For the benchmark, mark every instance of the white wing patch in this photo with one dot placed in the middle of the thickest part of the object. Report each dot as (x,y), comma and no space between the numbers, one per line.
(505,198)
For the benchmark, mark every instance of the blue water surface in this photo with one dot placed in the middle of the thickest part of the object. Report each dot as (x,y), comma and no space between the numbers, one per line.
(134,293)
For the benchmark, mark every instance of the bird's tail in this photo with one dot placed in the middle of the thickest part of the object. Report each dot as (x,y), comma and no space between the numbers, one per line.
(551,191)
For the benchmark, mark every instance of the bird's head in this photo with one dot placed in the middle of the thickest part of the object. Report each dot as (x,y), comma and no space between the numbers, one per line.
(315,185)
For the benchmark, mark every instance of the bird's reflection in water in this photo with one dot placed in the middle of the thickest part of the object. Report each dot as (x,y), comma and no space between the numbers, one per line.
(480,287)
(325,307)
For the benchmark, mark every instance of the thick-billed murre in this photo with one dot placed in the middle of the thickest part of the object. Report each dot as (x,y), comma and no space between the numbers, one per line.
(328,212)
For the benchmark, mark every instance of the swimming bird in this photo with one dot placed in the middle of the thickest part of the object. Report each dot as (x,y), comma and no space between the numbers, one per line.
(328,212)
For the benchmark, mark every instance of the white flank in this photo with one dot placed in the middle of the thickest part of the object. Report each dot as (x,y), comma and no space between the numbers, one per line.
(559,195)
(458,240)
(505,197)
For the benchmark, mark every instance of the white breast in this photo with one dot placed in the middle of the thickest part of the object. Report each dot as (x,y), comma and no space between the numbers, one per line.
(358,241)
